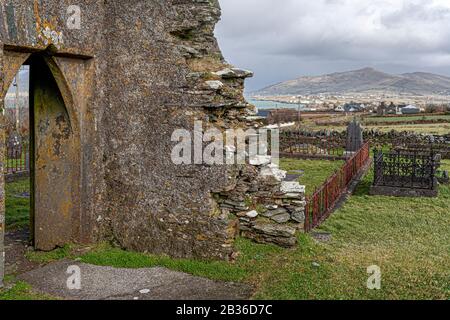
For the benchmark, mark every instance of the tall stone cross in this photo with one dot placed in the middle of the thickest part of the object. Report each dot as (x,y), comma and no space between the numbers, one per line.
(355,138)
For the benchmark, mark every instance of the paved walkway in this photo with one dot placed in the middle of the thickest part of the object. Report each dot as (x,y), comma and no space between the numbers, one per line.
(107,283)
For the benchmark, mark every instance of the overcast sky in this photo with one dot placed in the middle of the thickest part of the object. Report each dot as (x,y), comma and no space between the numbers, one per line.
(284,39)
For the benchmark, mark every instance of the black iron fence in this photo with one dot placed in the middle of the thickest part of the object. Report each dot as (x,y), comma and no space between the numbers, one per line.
(17,158)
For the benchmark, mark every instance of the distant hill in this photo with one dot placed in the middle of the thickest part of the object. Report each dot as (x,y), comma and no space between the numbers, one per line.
(367,80)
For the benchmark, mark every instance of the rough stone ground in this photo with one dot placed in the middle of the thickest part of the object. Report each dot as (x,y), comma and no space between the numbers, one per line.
(16,246)
(107,283)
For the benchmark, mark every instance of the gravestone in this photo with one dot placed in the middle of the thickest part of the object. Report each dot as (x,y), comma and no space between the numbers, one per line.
(14,146)
(355,138)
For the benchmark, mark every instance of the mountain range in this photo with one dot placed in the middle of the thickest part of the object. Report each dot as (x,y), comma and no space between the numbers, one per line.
(366,81)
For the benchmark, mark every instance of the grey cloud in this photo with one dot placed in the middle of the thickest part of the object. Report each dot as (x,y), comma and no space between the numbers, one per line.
(286,39)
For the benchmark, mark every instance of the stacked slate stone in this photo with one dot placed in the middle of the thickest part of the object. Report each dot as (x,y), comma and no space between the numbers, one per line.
(269,209)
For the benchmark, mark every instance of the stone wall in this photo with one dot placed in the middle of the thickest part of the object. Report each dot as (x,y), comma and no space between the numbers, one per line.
(2,204)
(269,209)
(136,71)
(171,75)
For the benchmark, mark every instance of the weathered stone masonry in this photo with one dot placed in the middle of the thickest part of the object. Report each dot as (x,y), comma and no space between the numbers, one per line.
(133,73)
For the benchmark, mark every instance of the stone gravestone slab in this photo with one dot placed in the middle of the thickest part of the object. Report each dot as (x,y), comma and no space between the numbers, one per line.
(14,146)
(355,138)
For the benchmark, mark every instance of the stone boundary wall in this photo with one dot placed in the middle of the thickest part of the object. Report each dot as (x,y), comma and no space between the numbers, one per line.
(376,135)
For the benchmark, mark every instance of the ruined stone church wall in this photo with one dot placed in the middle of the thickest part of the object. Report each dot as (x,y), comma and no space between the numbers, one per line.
(167,81)
(148,68)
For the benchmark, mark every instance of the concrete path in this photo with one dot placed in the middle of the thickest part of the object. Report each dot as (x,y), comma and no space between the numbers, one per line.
(107,283)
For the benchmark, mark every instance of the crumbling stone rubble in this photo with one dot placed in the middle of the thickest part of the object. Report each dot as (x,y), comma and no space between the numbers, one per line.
(269,209)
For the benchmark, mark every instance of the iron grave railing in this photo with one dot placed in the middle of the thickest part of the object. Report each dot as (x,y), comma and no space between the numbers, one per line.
(406,169)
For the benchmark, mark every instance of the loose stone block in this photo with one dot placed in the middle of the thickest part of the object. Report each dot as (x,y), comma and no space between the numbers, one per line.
(215,85)
(272,213)
(260,160)
(298,216)
(252,214)
(282,218)
(275,230)
(292,187)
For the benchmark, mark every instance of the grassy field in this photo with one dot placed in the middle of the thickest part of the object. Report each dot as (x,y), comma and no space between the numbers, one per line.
(21,291)
(17,206)
(382,124)
(435,128)
(444,117)
(316,172)
(409,239)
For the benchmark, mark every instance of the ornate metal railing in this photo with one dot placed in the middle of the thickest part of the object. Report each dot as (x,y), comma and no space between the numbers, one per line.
(17,159)
(414,169)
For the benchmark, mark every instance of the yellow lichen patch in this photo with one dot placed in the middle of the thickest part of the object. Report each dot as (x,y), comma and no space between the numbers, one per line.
(47,30)
(66,208)
(201,237)
(206,64)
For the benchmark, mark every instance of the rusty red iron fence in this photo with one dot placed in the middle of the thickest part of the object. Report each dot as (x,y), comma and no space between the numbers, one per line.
(321,204)
(17,159)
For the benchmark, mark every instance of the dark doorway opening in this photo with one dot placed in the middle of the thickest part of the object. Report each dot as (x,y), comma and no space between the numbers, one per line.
(41,158)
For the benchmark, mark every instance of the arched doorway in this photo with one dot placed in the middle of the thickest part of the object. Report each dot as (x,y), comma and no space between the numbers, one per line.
(55,159)
(54,155)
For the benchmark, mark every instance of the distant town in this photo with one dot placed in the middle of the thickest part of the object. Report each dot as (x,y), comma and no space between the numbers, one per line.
(375,103)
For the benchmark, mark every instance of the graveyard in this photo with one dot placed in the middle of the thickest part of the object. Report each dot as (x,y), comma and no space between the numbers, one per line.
(396,233)
(125,173)
(328,261)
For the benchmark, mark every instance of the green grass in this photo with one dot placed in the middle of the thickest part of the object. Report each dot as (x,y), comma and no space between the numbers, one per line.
(316,172)
(435,128)
(409,239)
(17,208)
(407,118)
(13,163)
(20,290)
(43,257)
(252,260)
